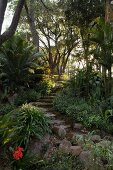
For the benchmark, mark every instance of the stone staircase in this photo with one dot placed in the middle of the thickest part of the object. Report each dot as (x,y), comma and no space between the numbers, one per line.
(66,130)
(46,105)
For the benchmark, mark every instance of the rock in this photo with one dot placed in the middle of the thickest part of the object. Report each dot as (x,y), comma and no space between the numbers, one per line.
(71,136)
(90,163)
(60,131)
(75,150)
(96,138)
(55,129)
(104,143)
(65,146)
(85,156)
(12,98)
(108,137)
(36,146)
(78,126)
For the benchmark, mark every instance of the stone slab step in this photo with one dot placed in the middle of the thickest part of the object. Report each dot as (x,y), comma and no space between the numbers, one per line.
(66,127)
(50,115)
(46,100)
(53,94)
(48,97)
(57,122)
(44,104)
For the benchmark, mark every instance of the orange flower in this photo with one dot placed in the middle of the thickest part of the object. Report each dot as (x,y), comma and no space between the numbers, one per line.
(17,154)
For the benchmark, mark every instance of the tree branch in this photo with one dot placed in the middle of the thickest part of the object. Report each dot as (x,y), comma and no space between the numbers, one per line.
(31,21)
(11,30)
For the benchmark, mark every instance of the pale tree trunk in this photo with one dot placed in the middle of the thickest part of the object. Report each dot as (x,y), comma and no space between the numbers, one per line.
(3,5)
(11,30)
(105,79)
(109,81)
(31,21)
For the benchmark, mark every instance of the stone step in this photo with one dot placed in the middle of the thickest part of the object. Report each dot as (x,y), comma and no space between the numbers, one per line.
(50,115)
(66,126)
(57,122)
(53,94)
(46,100)
(48,97)
(44,104)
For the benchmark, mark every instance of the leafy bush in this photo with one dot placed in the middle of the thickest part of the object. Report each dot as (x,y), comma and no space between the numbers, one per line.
(18,62)
(27,96)
(58,161)
(87,83)
(45,87)
(19,126)
(6,108)
(79,110)
(63,100)
(93,121)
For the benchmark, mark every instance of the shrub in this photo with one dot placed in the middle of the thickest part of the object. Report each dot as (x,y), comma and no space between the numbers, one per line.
(18,61)
(87,83)
(45,87)
(79,110)
(59,161)
(19,126)
(63,100)
(6,108)
(27,96)
(93,121)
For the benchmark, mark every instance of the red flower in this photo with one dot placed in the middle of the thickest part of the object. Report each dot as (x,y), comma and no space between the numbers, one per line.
(17,154)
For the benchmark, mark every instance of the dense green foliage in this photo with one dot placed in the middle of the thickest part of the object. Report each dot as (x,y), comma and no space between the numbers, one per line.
(58,161)
(18,62)
(86,11)
(90,109)
(18,126)
(44,87)
(6,108)
(27,96)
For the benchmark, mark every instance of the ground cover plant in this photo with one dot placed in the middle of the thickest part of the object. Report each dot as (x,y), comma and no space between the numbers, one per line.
(18,126)
(83,105)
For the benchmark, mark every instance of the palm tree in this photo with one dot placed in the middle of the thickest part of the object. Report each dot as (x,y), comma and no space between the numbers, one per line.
(17,62)
(102,36)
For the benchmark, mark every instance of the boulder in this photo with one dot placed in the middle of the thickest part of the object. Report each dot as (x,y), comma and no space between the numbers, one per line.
(12,98)
(75,150)
(96,138)
(65,146)
(78,126)
(36,146)
(86,157)
(104,143)
(60,131)
(90,163)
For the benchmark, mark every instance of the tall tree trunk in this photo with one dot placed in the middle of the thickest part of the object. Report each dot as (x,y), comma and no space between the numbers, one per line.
(31,20)
(11,30)
(105,79)
(3,5)
(109,81)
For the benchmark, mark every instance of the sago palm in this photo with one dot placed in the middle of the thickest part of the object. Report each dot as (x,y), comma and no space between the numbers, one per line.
(17,60)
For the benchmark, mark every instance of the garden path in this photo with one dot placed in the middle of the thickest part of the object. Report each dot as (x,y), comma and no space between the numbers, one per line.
(66,131)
